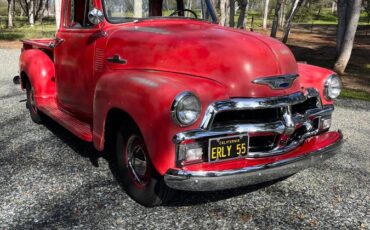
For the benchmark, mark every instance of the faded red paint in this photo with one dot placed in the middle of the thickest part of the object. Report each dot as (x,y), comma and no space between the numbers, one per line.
(164,58)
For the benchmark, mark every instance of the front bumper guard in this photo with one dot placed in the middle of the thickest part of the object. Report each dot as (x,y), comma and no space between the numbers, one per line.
(220,180)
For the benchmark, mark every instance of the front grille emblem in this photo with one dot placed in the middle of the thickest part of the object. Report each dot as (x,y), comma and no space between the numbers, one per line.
(278,82)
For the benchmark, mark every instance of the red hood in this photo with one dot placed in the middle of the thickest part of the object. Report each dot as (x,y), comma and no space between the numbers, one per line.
(231,57)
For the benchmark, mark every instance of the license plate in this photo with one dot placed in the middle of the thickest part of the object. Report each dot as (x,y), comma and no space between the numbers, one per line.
(226,148)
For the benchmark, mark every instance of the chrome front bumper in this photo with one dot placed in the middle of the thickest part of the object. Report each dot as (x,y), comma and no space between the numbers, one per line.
(219,180)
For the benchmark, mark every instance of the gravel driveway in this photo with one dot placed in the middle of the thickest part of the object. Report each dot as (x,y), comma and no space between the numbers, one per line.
(50,179)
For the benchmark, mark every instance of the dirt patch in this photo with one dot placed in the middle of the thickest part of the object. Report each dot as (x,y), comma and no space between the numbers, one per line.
(10,44)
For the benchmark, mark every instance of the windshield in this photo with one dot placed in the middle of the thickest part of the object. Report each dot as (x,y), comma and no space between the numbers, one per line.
(120,11)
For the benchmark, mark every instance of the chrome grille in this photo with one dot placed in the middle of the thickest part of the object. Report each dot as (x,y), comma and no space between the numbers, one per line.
(246,117)
(275,125)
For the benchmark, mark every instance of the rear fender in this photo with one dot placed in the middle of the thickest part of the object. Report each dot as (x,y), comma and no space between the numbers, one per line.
(35,65)
(147,98)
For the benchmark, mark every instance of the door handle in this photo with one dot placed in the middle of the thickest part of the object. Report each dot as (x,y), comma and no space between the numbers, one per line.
(117,59)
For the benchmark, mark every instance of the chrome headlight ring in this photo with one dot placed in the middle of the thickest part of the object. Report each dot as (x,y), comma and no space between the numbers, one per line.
(332,87)
(186,109)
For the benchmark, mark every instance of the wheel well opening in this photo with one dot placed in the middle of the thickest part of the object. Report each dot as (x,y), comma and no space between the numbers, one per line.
(24,80)
(116,119)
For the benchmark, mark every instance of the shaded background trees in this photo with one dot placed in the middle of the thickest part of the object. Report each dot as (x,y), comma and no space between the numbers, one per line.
(34,10)
(284,13)
(273,17)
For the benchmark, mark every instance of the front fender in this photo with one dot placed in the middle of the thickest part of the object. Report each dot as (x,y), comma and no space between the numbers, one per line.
(147,97)
(314,77)
(40,71)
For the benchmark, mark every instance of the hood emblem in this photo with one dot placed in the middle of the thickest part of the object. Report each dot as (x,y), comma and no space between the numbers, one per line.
(278,82)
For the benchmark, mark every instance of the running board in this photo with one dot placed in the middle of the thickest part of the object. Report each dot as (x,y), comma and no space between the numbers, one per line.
(77,127)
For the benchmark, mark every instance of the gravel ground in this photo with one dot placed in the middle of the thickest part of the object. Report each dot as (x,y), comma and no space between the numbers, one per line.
(50,179)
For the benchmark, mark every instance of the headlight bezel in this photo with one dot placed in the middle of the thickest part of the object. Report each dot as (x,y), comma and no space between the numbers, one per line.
(175,105)
(327,87)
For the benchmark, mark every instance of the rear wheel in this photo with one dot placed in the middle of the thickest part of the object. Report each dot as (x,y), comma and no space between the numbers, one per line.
(140,180)
(36,115)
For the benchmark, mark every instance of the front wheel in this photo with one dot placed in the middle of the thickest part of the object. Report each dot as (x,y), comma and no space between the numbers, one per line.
(36,115)
(140,180)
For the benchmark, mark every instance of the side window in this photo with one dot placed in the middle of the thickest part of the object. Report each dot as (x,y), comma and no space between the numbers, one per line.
(168,7)
(76,15)
(126,9)
(191,8)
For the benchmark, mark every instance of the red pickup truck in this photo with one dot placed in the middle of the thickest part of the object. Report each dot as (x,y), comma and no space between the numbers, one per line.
(182,103)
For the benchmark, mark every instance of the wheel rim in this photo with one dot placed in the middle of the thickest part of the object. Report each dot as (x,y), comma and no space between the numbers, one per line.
(137,162)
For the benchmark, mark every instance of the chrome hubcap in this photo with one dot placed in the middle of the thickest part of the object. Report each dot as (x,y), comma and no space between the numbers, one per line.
(136,159)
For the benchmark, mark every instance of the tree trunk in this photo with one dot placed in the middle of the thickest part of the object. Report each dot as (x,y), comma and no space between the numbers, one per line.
(293,11)
(10,13)
(275,23)
(282,14)
(232,13)
(24,7)
(333,7)
(265,15)
(138,9)
(243,14)
(223,11)
(349,15)
(318,13)
(39,10)
(31,13)
(341,29)
(367,9)
(42,10)
(58,6)
(47,10)
(22,12)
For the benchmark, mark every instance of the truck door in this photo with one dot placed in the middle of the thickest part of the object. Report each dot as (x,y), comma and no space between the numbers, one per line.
(74,59)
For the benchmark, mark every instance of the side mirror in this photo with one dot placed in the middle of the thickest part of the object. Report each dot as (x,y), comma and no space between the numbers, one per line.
(95,16)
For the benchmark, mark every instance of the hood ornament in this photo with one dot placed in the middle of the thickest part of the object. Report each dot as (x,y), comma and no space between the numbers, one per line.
(278,82)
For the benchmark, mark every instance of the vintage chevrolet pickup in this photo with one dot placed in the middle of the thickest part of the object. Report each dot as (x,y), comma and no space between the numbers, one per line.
(181,102)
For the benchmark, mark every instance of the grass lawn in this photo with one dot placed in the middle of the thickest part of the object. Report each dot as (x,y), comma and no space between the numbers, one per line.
(22,30)
(327,18)
(354,94)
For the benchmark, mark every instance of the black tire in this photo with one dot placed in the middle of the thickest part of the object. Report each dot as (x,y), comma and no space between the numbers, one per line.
(139,178)
(36,115)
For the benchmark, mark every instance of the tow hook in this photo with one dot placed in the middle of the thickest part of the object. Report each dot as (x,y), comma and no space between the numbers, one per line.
(17,80)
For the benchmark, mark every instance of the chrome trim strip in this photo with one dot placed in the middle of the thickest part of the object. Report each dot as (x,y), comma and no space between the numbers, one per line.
(219,180)
(288,120)
(277,127)
(277,82)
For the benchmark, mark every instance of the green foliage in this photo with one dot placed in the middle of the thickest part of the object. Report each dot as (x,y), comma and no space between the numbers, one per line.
(3,9)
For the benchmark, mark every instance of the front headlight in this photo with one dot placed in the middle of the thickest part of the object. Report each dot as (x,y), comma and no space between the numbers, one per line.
(186,109)
(333,87)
